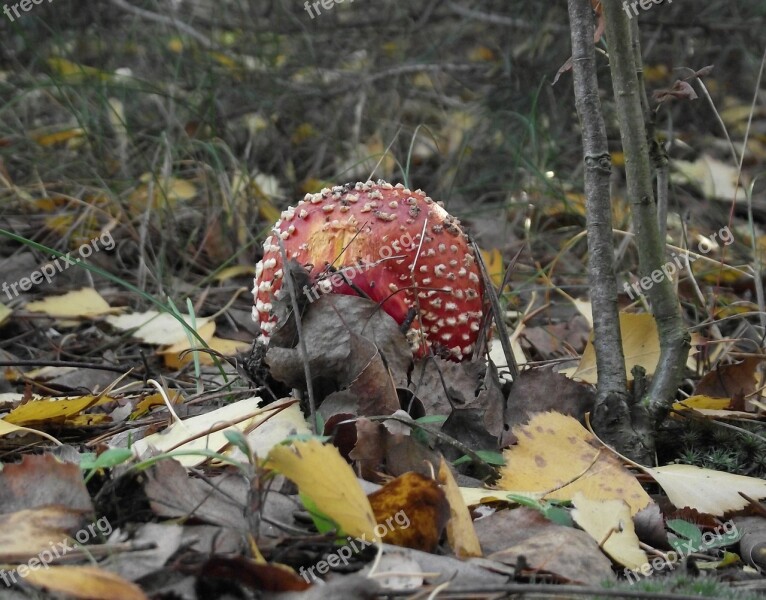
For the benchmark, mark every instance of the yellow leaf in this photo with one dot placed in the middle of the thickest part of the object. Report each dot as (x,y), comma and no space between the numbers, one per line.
(57,137)
(164,192)
(205,329)
(85,583)
(5,312)
(59,223)
(609,523)
(224,347)
(703,402)
(50,409)
(558,457)
(322,474)
(481,54)
(154,400)
(83,303)
(234,271)
(655,73)
(460,530)
(618,159)
(74,71)
(303,132)
(706,490)
(153,327)
(494,261)
(175,45)
(640,345)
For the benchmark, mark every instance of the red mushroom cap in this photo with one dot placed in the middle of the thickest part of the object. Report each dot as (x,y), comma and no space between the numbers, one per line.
(367,237)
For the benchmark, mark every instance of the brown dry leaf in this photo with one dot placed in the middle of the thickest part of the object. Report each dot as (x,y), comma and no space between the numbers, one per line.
(554,450)
(174,494)
(55,483)
(84,303)
(257,576)
(730,381)
(460,531)
(328,329)
(706,490)
(320,473)
(610,524)
(373,386)
(681,90)
(86,583)
(567,553)
(640,344)
(413,510)
(25,533)
(541,390)
(48,410)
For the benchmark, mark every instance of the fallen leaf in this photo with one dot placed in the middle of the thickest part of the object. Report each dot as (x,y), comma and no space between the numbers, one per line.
(7,428)
(155,328)
(411,511)
(237,270)
(567,553)
(55,483)
(86,583)
(86,302)
(730,381)
(57,137)
(164,192)
(556,457)
(610,524)
(26,533)
(640,345)
(49,410)
(5,312)
(493,259)
(460,531)
(196,433)
(177,359)
(716,179)
(320,473)
(706,490)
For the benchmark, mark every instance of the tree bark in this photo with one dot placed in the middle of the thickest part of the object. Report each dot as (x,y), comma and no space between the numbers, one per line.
(611,418)
(674,341)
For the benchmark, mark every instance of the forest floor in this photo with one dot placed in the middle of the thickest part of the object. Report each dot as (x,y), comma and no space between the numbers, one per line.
(146,150)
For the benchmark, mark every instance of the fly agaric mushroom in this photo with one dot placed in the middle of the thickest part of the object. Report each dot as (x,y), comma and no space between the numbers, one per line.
(398,247)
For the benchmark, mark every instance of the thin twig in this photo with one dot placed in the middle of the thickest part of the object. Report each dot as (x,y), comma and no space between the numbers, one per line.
(301,339)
